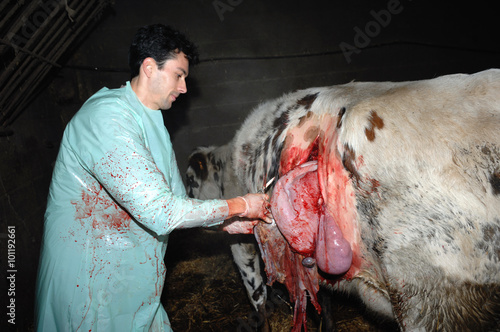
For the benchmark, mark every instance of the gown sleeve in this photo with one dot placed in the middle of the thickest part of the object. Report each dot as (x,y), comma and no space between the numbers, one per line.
(111,146)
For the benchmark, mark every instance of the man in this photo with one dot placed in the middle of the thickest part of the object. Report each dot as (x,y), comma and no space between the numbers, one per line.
(116,194)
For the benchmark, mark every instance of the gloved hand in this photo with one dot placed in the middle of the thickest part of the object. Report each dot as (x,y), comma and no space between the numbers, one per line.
(258,207)
(237,226)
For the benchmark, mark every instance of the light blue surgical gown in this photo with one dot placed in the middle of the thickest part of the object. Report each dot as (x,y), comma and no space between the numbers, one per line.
(116,194)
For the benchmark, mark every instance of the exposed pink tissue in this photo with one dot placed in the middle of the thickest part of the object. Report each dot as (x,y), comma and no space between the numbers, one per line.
(302,218)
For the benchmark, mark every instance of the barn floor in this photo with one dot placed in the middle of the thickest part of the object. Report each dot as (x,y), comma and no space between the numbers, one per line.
(204,292)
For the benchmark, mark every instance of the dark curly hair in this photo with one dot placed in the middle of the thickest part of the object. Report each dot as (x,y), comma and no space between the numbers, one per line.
(160,42)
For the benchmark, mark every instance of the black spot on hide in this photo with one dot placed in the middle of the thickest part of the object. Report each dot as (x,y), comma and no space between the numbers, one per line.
(191,182)
(340,116)
(491,233)
(199,164)
(258,293)
(265,151)
(277,148)
(280,123)
(275,145)
(379,246)
(495,183)
(369,210)
(307,101)
(215,163)
(267,143)
(250,264)
(251,282)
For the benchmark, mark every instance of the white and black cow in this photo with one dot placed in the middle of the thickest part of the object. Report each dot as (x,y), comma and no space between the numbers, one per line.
(210,176)
(387,190)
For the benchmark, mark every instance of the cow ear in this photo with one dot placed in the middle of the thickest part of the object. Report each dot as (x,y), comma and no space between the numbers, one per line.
(198,163)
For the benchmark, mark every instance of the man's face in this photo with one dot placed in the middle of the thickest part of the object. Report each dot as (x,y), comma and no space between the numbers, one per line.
(168,82)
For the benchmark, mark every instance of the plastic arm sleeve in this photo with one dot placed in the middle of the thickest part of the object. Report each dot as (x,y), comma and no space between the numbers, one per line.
(113,150)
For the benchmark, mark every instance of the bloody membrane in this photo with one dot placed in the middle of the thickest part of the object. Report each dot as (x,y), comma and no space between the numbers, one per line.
(314,237)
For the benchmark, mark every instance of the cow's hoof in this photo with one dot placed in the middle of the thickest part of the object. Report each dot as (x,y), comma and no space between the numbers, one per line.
(264,326)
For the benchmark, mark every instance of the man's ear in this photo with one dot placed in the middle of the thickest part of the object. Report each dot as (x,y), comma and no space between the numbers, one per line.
(148,65)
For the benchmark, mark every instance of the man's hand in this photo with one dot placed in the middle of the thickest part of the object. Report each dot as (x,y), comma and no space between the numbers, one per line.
(239,225)
(258,207)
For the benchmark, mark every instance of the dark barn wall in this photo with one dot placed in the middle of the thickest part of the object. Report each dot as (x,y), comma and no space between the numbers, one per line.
(251,51)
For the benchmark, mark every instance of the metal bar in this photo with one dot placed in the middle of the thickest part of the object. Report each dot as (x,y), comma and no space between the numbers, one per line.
(32,54)
(30,69)
(9,14)
(15,32)
(18,103)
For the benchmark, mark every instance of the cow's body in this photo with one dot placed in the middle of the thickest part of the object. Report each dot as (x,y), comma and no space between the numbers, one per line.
(210,176)
(410,174)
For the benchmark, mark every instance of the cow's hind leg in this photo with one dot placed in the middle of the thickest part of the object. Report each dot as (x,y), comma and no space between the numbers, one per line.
(247,259)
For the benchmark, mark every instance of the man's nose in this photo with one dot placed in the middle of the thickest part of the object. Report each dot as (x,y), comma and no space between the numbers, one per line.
(182,88)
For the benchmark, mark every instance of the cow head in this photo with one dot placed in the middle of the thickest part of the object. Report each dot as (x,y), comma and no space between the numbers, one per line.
(210,174)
